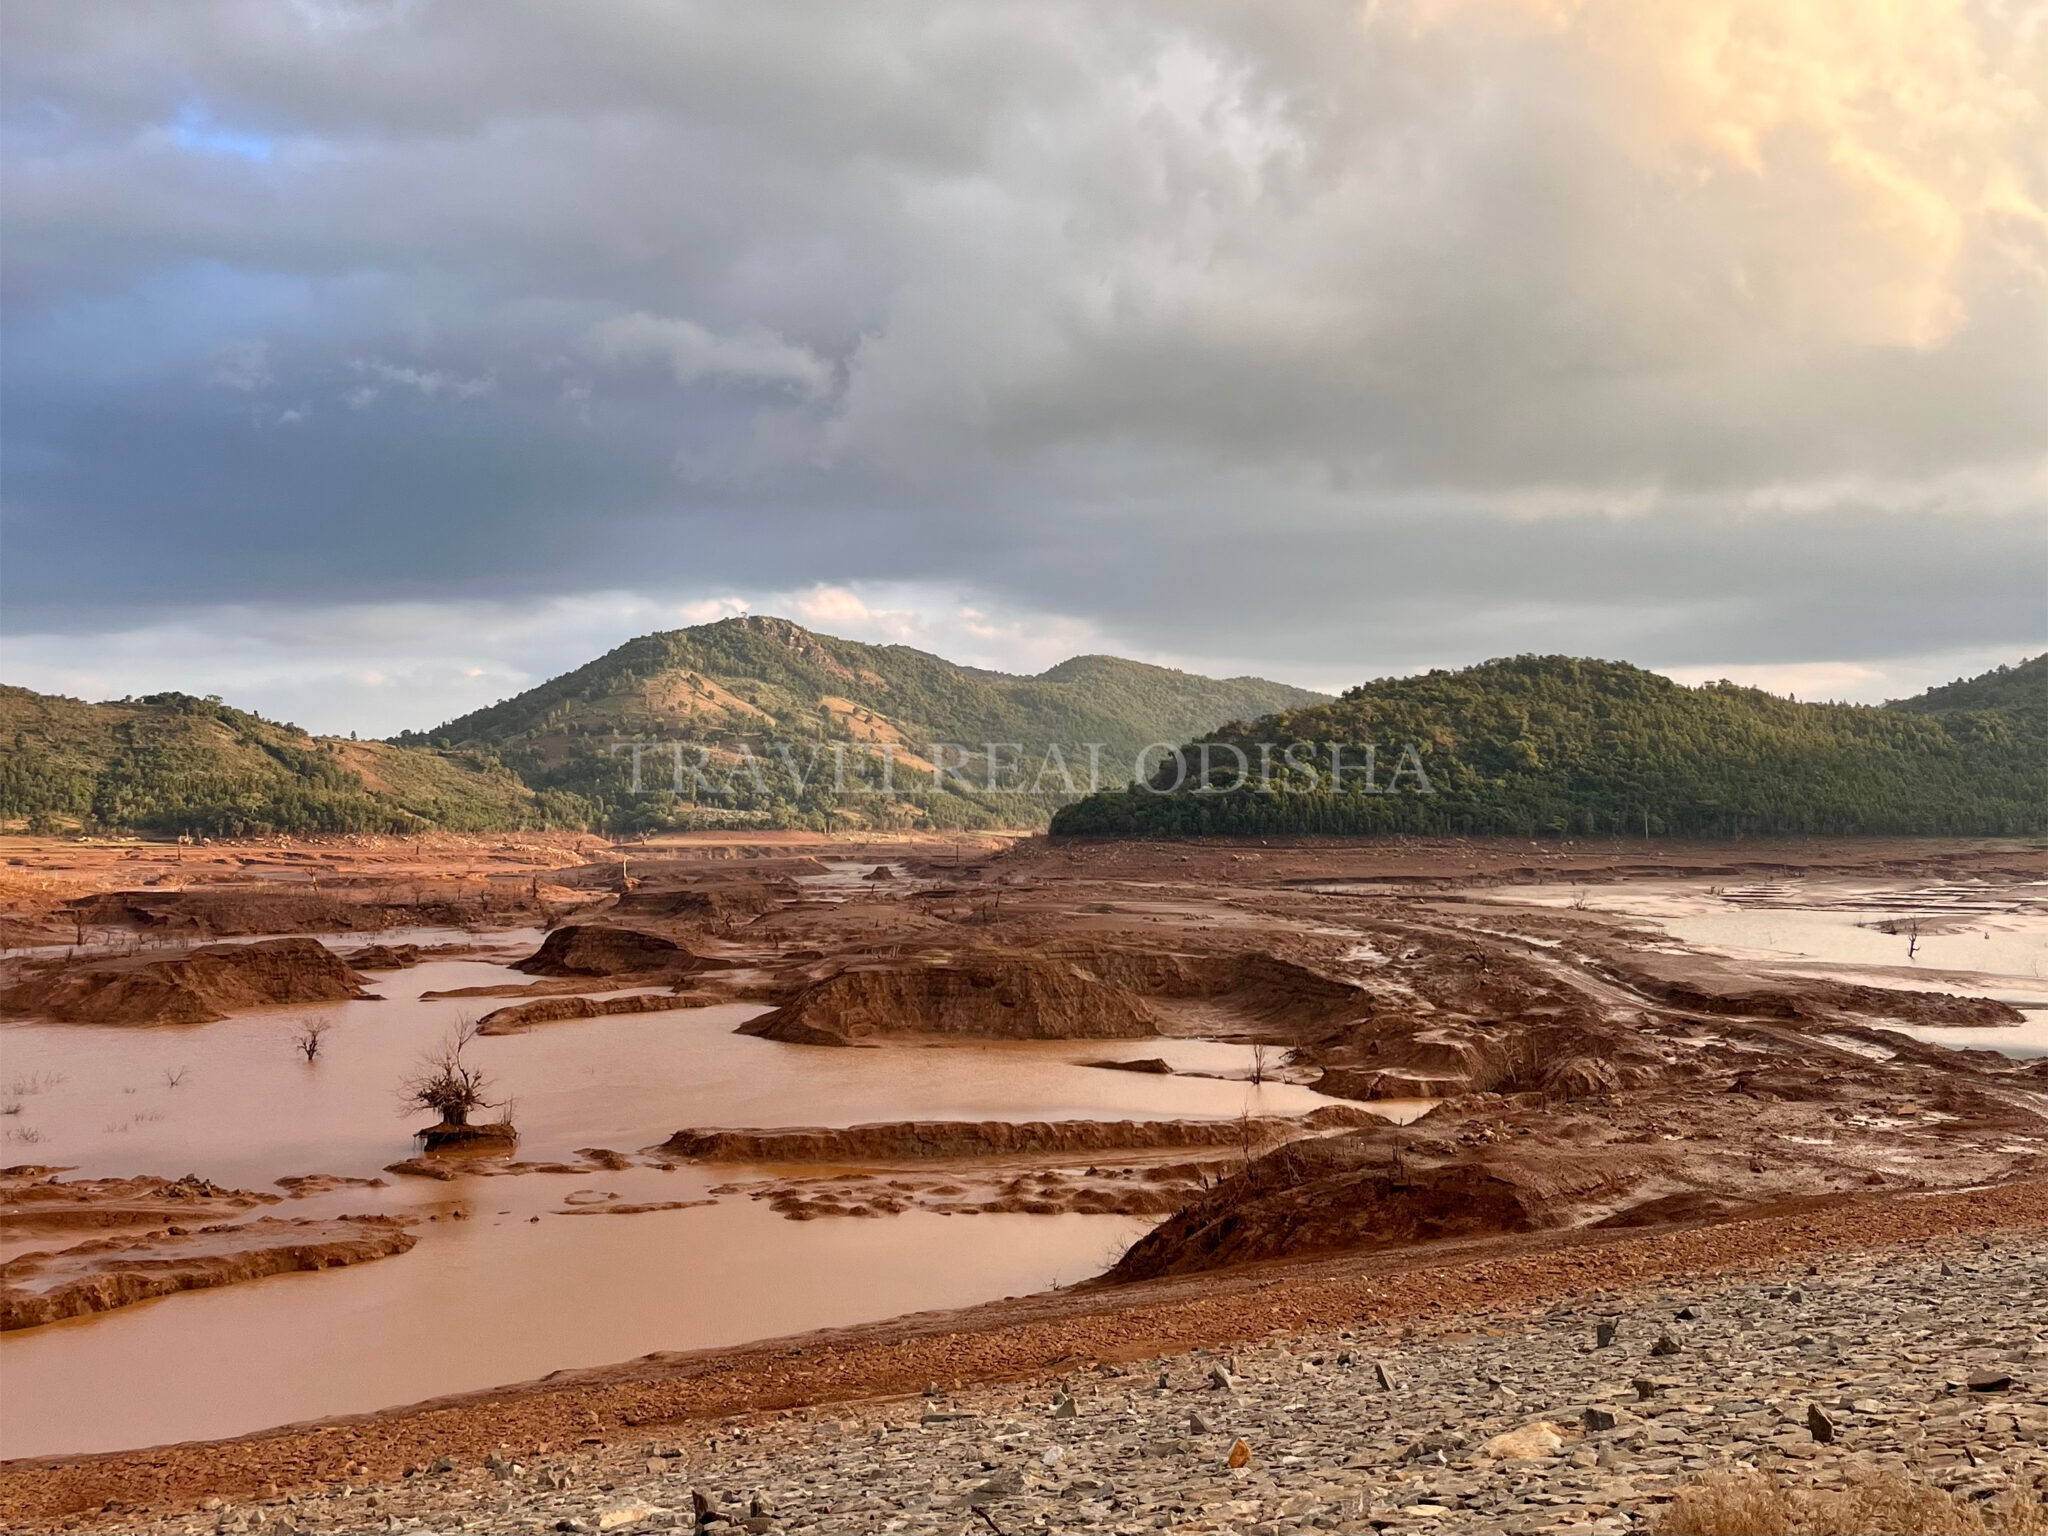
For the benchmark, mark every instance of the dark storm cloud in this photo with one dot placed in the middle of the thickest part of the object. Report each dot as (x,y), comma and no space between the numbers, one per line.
(1431,331)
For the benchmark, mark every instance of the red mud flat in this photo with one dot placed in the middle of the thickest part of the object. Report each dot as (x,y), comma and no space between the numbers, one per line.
(1437,1287)
(108,1272)
(1701,984)
(33,1199)
(197,987)
(227,914)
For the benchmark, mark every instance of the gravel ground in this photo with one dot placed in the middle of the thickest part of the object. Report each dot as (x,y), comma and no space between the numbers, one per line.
(1821,1378)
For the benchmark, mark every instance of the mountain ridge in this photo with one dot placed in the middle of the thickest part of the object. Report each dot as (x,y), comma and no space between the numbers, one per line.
(1554,745)
(1518,744)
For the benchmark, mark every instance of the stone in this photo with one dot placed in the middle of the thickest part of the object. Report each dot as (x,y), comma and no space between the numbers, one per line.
(1004,1485)
(1891,1346)
(1240,1454)
(703,1509)
(1603,1335)
(1665,1346)
(617,1516)
(1383,1376)
(1541,1438)
(1989,1381)
(1063,1407)
(1819,1424)
(1221,1380)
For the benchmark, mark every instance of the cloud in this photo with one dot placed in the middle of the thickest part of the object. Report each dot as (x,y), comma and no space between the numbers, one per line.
(692,354)
(427,382)
(239,364)
(1702,332)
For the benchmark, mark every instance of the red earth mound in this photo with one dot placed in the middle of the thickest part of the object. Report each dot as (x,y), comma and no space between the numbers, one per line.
(718,903)
(986,995)
(1564,1058)
(1370,1188)
(603,949)
(1252,990)
(194,988)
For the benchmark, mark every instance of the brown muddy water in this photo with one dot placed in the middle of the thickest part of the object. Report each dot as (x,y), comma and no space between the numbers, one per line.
(496,1297)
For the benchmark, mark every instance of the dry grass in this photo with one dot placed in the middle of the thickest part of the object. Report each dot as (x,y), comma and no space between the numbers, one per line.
(1751,1504)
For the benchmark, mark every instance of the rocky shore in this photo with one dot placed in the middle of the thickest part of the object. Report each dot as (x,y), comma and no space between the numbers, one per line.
(1585,1419)
(1874,1311)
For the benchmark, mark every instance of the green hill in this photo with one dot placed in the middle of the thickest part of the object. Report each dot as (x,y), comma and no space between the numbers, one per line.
(171,763)
(1554,745)
(737,687)
(2023,688)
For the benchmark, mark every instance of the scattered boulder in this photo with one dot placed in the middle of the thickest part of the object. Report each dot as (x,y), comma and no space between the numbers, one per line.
(1528,1443)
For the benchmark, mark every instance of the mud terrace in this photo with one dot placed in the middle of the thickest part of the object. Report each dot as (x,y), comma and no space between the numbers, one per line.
(1581,1420)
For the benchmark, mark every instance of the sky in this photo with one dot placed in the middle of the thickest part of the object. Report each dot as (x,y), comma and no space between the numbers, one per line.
(366,361)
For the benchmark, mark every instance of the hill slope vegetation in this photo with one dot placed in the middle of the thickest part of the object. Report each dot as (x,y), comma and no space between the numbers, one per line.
(767,706)
(1555,745)
(739,687)
(171,763)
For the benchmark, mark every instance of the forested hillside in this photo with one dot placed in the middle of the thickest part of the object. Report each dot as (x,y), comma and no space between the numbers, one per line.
(1553,745)
(1530,745)
(741,686)
(2023,688)
(171,763)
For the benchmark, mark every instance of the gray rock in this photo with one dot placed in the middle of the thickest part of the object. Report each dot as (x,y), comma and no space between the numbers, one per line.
(1004,1485)
(1819,1424)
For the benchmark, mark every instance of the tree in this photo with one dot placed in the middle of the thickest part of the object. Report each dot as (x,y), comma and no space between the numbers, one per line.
(311,1032)
(448,1083)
